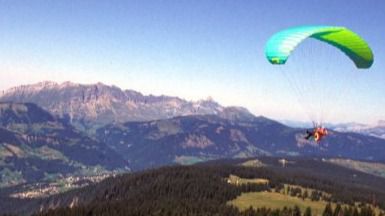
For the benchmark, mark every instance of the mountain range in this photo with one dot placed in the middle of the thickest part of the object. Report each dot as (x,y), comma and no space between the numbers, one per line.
(188,139)
(376,130)
(45,133)
(98,104)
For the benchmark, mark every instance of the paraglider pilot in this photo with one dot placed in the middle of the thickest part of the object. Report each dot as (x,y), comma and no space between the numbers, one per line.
(318,133)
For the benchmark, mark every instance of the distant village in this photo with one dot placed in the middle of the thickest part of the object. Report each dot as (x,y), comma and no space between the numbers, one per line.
(46,189)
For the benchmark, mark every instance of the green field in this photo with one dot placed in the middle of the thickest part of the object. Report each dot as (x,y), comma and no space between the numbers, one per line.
(233,179)
(377,169)
(276,200)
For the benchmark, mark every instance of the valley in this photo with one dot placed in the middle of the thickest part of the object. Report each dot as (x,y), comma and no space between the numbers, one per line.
(47,157)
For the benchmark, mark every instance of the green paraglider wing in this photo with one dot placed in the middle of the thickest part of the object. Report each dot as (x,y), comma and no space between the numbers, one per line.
(281,44)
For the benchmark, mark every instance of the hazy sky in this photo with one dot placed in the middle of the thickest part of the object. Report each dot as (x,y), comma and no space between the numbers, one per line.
(192,49)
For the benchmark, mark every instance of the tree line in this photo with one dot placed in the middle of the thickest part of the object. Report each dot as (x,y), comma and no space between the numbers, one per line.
(203,190)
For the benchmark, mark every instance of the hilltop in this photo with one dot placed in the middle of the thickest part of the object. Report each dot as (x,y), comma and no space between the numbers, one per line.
(206,189)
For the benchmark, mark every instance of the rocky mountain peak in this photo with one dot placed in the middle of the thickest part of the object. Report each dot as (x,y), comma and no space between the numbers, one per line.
(104,104)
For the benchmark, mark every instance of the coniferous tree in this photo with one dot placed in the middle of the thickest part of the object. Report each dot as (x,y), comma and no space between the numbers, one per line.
(194,191)
(348,211)
(286,211)
(250,211)
(328,210)
(366,211)
(315,195)
(307,212)
(355,211)
(296,211)
(337,210)
(276,212)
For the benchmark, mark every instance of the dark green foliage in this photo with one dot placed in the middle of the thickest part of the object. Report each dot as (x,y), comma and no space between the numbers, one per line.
(307,212)
(200,189)
(367,211)
(168,191)
(295,191)
(328,210)
(355,212)
(315,195)
(337,210)
(296,211)
(305,194)
(348,211)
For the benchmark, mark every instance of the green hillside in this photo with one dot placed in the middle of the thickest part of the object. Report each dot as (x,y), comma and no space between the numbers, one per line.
(276,200)
(211,188)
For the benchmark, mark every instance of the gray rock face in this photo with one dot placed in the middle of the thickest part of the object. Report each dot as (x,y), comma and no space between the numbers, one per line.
(103,104)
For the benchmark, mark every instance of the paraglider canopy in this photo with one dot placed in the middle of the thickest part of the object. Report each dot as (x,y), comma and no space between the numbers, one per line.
(281,44)
(316,84)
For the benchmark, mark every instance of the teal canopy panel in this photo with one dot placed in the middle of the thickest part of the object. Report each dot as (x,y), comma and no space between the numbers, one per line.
(280,45)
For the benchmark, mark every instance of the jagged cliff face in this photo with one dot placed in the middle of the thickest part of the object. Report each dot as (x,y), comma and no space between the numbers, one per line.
(103,104)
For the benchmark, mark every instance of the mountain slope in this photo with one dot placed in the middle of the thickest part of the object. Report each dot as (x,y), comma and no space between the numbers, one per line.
(204,189)
(376,130)
(36,146)
(190,139)
(99,104)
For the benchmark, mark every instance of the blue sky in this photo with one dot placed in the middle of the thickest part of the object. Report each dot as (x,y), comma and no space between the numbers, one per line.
(192,49)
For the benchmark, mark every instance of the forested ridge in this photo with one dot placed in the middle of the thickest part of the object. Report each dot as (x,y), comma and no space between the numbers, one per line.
(203,189)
